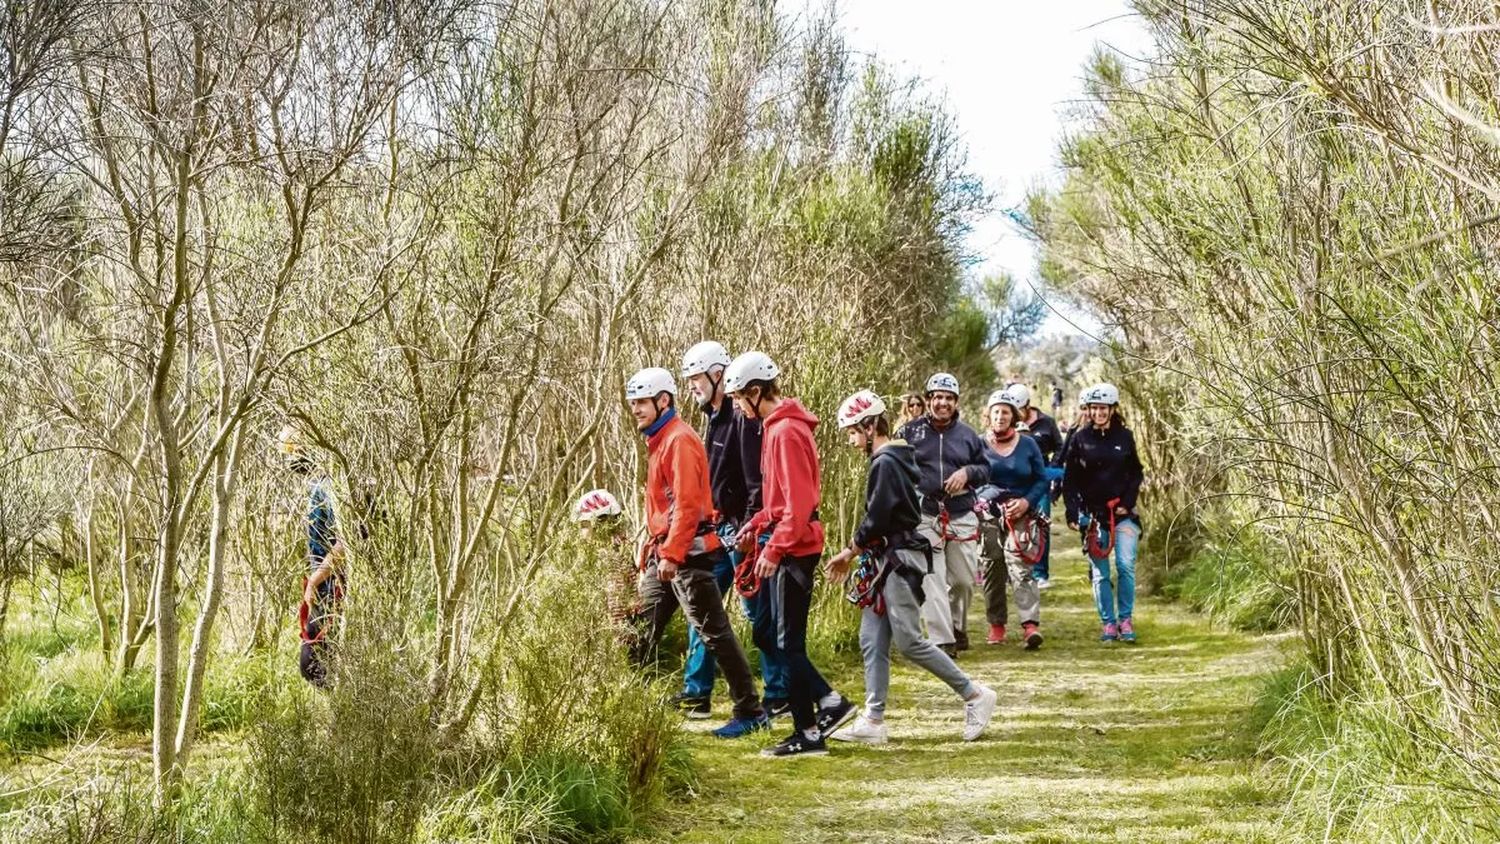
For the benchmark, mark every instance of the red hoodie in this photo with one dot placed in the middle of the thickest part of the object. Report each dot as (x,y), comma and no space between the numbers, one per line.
(789,484)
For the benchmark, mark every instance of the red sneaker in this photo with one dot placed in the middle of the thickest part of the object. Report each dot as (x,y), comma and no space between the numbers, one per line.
(997,634)
(1033,635)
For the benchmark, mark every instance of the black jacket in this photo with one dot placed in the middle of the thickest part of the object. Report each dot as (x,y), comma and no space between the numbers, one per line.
(891,504)
(1047,435)
(939,453)
(733,444)
(1099,466)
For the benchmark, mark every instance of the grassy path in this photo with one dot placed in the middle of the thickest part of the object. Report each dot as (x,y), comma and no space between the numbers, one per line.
(1091,743)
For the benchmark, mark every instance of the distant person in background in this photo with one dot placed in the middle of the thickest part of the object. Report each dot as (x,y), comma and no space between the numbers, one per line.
(323,588)
(912,406)
(1057,399)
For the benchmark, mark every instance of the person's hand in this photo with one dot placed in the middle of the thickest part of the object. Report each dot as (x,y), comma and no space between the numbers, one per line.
(838,565)
(1074,526)
(666,571)
(310,595)
(744,541)
(764,568)
(1121,511)
(957,482)
(1016,508)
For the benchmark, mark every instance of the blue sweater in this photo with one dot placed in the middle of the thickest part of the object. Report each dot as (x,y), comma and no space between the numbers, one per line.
(1022,473)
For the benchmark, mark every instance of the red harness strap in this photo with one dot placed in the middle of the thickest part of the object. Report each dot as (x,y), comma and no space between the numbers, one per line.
(304,616)
(948,536)
(746,581)
(1097,549)
(1029,533)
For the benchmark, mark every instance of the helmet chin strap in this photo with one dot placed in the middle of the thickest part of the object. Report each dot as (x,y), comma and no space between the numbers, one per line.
(713,390)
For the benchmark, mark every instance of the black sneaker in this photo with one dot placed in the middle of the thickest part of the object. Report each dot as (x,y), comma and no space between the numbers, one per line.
(697,708)
(830,718)
(949,649)
(777,707)
(797,744)
(961,640)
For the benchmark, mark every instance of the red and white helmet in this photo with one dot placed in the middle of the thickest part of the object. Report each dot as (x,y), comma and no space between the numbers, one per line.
(860,407)
(596,503)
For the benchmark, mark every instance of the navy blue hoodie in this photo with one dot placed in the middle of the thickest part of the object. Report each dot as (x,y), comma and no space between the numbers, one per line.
(941,451)
(733,443)
(890,495)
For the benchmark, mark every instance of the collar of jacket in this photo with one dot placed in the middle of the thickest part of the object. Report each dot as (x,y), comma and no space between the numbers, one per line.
(661,422)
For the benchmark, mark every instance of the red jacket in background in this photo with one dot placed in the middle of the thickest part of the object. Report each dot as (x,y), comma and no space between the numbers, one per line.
(789,485)
(678,500)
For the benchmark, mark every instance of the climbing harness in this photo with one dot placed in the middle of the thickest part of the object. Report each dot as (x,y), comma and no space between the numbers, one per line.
(1030,533)
(867,582)
(305,617)
(1099,547)
(746,581)
(948,535)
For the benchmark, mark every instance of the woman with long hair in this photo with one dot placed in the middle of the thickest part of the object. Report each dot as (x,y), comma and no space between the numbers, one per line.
(1102,477)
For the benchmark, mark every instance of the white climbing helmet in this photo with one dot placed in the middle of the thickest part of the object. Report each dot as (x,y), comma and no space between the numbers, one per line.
(1021,392)
(858,408)
(942,382)
(1104,393)
(703,357)
(594,504)
(1005,396)
(649,383)
(751,366)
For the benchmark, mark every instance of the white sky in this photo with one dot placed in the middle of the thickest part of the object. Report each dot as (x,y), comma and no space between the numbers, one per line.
(1007,69)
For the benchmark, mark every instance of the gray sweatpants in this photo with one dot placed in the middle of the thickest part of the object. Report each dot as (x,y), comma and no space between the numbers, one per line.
(999,557)
(950,584)
(902,623)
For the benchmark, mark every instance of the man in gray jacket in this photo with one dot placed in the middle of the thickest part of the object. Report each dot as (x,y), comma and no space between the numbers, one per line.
(950,455)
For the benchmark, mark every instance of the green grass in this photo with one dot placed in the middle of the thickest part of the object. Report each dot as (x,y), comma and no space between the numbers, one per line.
(1091,743)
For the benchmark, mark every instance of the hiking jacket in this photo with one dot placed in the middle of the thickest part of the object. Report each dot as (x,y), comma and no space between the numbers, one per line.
(891,503)
(679,506)
(1100,466)
(1047,435)
(939,453)
(1020,474)
(789,484)
(733,443)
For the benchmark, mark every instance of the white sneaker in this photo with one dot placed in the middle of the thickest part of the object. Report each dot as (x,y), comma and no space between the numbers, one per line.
(864,731)
(1043,583)
(978,712)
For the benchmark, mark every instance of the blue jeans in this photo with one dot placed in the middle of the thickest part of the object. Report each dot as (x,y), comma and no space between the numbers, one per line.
(698,673)
(1043,567)
(1116,602)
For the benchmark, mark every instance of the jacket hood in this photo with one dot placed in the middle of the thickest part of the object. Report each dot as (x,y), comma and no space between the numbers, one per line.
(791,410)
(903,455)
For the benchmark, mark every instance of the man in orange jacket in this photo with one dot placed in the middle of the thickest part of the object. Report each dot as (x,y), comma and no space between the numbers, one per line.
(683,547)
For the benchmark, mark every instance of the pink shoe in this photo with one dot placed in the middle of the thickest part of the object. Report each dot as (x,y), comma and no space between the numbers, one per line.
(997,634)
(1127,631)
(1110,634)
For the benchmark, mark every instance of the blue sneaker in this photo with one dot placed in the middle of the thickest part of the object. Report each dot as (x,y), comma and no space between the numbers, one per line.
(741,727)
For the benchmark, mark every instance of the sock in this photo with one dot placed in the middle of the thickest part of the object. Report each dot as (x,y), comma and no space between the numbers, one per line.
(830,699)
